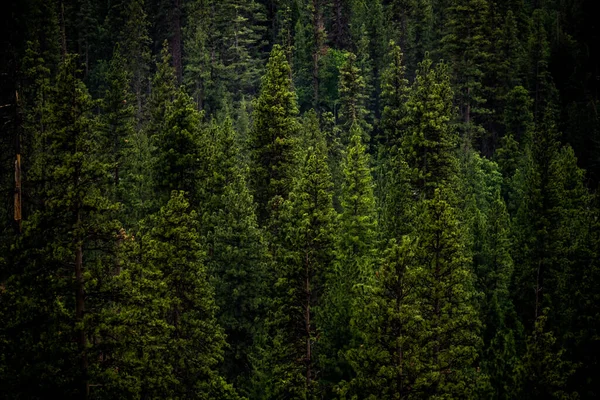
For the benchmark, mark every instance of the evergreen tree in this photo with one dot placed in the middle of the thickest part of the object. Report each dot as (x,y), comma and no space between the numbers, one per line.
(420,330)
(465,47)
(274,132)
(117,118)
(63,256)
(135,46)
(428,145)
(352,98)
(237,256)
(446,320)
(196,341)
(394,91)
(241,27)
(356,247)
(302,272)
(163,92)
(544,371)
(382,321)
(176,146)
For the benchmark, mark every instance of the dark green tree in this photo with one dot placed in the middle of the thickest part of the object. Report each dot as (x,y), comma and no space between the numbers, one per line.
(302,271)
(356,254)
(237,255)
(430,140)
(353,108)
(394,93)
(465,46)
(196,342)
(63,257)
(274,133)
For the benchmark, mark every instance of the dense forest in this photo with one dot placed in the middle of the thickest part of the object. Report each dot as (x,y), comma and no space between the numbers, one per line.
(299,199)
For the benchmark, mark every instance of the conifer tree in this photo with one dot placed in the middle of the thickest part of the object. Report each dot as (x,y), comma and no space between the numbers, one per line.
(302,272)
(544,372)
(446,320)
(420,333)
(352,98)
(241,28)
(117,118)
(177,154)
(237,255)
(356,247)
(550,232)
(274,132)
(196,341)
(162,93)
(430,140)
(394,92)
(381,320)
(135,49)
(198,74)
(485,216)
(465,47)
(63,254)
(134,332)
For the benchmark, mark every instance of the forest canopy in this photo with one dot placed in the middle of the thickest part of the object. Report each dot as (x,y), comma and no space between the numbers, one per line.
(299,199)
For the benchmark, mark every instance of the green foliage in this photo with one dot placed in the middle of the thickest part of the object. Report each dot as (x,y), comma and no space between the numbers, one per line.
(352,98)
(394,91)
(177,156)
(356,246)
(303,268)
(430,140)
(418,319)
(465,47)
(62,255)
(274,132)
(184,229)
(196,342)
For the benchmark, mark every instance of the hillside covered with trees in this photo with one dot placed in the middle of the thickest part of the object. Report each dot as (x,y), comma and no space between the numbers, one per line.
(299,199)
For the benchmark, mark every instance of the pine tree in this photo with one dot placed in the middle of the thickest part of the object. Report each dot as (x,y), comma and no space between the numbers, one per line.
(63,256)
(465,48)
(446,320)
(544,371)
(382,322)
(352,98)
(274,132)
(198,74)
(162,94)
(488,223)
(418,320)
(550,231)
(302,271)
(241,28)
(196,342)
(134,333)
(135,47)
(177,154)
(117,118)
(237,255)
(356,247)
(430,140)
(394,92)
